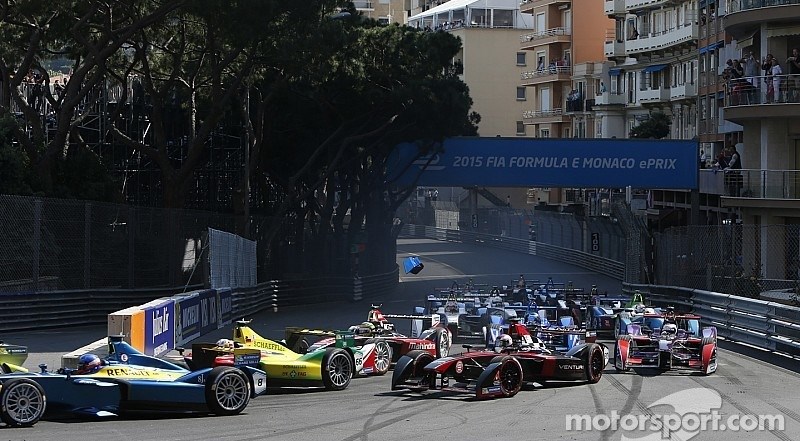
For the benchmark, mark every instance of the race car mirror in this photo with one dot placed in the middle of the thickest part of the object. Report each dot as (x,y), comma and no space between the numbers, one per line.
(412,265)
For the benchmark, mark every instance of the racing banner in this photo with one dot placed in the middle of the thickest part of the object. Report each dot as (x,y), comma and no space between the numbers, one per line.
(159,329)
(196,314)
(547,162)
(225,307)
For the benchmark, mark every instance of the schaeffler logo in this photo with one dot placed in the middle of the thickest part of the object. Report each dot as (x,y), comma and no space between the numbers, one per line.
(681,415)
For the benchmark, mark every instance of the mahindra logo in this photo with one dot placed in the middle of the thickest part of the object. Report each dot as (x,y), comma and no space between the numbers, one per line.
(421,346)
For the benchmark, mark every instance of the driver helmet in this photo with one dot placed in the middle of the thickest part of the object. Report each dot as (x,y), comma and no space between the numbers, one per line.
(669,329)
(89,364)
(365,328)
(225,343)
(639,308)
(505,341)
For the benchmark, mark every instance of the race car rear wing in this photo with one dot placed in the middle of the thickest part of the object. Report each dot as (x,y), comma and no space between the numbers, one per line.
(419,323)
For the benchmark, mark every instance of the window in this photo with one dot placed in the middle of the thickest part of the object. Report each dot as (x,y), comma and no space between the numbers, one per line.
(521,59)
(544,133)
(566,133)
(521,93)
(383,20)
(520,128)
(540,61)
(503,18)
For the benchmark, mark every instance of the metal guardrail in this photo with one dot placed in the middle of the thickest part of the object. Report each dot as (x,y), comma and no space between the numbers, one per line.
(585,260)
(26,311)
(766,325)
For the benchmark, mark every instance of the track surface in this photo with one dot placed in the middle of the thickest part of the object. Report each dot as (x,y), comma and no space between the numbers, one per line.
(367,410)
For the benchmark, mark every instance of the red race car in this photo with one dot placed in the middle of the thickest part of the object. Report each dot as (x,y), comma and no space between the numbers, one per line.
(427,335)
(501,373)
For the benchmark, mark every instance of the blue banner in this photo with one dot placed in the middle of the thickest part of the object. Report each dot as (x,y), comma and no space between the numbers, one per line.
(159,331)
(549,162)
(225,305)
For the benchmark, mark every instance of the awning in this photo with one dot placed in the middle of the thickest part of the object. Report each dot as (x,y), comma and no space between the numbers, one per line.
(746,41)
(615,72)
(781,32)
(712,47)
(656,68)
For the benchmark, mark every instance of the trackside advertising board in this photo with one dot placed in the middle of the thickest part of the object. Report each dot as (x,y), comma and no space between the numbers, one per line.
(225,304)
(159,327)
(549,162)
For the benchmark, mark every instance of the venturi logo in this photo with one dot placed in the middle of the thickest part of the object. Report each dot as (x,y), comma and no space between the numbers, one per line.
(429,162)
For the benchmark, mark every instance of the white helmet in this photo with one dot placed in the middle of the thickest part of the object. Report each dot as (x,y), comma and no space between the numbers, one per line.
(505,341)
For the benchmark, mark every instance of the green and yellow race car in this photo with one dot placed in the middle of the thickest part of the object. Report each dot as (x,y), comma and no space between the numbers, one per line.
(331,367)
(12,355)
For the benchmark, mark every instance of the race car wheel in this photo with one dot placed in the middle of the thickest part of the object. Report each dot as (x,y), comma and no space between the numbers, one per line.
(337,369)
(509,375)
(22,402)
(227,391)
(421,359)
(441,337)
(383,357)
(664,360)
(594,362)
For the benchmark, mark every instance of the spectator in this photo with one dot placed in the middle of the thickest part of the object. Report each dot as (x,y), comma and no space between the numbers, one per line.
(793,83)
(733,177)
(776,75)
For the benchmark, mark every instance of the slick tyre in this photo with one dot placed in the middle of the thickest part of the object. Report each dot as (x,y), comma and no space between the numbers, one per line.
(509,375)
(441,338)
(337,369)
(22,402)
(383,357)
(420,360)
(593,363)
(227,391)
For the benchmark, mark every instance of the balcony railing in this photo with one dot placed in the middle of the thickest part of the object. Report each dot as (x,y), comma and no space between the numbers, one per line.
(542,113)
(778,89)
(744,5)
(653,95)
(546,71)
(614,7)
(632,5)
(606,98)
(554,32)
(683,91)
(655,40)
(751,183)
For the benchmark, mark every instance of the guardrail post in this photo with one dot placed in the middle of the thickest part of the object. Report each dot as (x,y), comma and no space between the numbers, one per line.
(357,294)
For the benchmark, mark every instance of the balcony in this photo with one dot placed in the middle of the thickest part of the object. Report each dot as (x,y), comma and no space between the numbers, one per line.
(541,38)
(656,41)
(550,74)
(633,5)
(614,7)
(751,183)
(552,116)
(363,5)
(614,49)
(527,6)
(649,96)
(682,92)
(608,98)
(743,14)
(756,98)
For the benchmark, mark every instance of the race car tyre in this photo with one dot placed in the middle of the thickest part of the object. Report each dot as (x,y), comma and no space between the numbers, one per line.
(664,360)
(22,402)
(420,360)
(383,357)
(337,369)
(593,363)
(509,375)
(227,391)
(441,338)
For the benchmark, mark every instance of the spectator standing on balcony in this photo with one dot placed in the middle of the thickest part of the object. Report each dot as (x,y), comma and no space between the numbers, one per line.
(777,78)
(751,68)
(733,177)
(793,69)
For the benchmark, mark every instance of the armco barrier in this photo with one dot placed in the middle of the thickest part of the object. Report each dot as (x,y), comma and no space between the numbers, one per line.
(766,325)
(54,309)
(589,261)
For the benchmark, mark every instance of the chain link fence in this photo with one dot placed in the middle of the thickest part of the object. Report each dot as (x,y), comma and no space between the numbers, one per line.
(744,260)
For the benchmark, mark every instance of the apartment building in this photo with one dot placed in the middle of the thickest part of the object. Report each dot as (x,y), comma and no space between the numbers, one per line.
(561,54)
(385,11)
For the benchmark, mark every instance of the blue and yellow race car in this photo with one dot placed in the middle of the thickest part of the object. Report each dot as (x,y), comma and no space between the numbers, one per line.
(126,381)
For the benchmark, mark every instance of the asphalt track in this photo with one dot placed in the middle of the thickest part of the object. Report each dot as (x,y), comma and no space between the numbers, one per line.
(367,410)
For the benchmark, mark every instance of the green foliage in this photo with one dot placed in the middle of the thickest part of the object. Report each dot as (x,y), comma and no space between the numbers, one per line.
(14,164)
(656,126)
